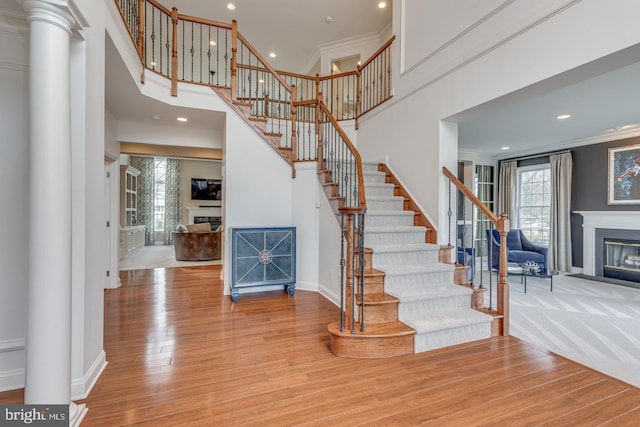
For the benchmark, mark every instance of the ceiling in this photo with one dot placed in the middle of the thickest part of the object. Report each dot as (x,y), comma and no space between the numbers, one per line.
(602,97)
(293,29)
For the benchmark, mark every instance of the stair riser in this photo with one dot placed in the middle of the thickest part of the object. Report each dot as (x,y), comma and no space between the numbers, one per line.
(370,167)
(438,339)
(371,347)
(371,238)
(391,204)
(372,220)
(410,257)
(407,310)
(385,190)
(372,177)
(380,313)
(417,281)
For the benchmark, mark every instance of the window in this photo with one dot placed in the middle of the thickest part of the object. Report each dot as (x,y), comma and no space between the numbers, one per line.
(160,172)
(484,192)
(534,202)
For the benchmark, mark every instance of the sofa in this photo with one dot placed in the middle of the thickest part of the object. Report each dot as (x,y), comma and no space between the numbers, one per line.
(519,250)
(197,243)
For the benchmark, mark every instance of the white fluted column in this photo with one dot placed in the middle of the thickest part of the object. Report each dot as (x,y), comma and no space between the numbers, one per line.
(48,344)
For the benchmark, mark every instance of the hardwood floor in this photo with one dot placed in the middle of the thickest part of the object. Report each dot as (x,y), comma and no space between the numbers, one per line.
(180,353)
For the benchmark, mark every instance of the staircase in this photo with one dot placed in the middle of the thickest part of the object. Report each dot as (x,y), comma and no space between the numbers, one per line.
(417,291)
(412,303)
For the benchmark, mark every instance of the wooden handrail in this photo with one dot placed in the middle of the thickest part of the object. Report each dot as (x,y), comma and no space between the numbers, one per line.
(502,225)
(378,52)
(465,190)
(356,155)
(202,21)
(159,6)
(266,64)
(339,75)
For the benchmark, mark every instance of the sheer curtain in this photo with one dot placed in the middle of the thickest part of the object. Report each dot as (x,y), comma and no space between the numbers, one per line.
(507,190)
(560,227)
(146,166)
(172,199)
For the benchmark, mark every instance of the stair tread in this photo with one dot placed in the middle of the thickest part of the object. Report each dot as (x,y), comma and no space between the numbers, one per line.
(385,248)
(442,320)
(404,269)
(395,229)
(384,197)
(440,291)
(378,299)
(391,212)
(374,330)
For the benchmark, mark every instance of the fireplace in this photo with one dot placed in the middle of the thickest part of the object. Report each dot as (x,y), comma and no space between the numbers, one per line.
(621,229)
(621,259)
(215,221)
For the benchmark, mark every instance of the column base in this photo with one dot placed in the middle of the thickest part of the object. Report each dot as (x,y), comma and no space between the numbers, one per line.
(76,414)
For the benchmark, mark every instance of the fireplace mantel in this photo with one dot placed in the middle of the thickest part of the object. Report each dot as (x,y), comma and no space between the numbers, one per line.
(619,220)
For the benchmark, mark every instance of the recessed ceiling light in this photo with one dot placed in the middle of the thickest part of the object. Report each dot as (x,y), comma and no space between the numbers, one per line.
(563,116)
(153,64)
(382,5)
(212,42)
(155,117)
(506,147)
(328,19)
(261,81)
(182,119)
(272,54)
(231,6)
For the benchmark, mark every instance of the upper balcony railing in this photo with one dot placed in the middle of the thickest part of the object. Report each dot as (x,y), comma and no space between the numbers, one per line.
(199,51)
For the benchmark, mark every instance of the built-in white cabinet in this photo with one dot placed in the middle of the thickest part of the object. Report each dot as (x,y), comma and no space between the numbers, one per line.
(132,235)
(131,238)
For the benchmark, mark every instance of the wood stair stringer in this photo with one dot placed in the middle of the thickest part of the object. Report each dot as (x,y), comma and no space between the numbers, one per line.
(258,124)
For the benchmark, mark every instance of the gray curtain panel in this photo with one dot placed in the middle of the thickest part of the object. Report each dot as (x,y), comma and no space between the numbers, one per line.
(507,191)
(146,181)
(172,205)
(560,228)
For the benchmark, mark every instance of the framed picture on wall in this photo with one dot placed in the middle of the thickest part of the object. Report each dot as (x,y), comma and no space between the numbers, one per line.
(624,175)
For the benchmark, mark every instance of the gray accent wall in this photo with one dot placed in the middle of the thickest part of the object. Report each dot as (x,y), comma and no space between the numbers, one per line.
(589,190)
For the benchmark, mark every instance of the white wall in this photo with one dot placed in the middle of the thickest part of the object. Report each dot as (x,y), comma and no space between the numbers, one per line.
(14,176)
(169,135)
(306,211)
(257,185)
(484,51)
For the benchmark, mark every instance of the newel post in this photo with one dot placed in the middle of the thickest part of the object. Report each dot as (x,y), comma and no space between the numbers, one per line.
(349,289)
(503,285)
(358,94)
(174,53)
(319,131)
(294,128)
(234,59)
(141,47)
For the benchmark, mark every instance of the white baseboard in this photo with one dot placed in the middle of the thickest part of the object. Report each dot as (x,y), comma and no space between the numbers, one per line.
(12,359)
(11,380)
(330,295)
(307,286)
(80,388)
(577,270)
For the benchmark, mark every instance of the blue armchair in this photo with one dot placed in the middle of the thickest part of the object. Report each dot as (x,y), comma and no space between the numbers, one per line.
(519,250)
(466,256)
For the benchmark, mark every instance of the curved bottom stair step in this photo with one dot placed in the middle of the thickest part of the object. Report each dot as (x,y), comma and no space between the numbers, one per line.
(444,329)
(379,340)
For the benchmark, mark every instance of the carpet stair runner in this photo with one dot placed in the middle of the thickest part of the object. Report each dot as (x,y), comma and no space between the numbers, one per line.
(415,283)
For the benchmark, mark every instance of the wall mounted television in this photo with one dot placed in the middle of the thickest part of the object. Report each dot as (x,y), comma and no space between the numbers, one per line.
(206,189)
